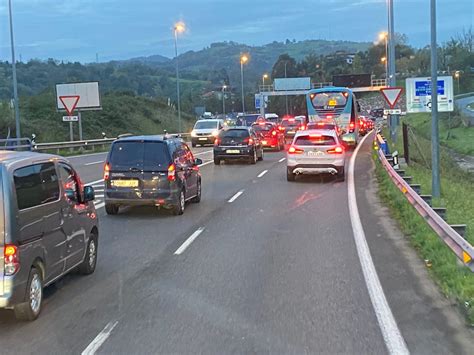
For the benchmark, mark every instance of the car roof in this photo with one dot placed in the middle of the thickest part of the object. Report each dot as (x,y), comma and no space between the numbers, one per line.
(210,120)
(149,138)
(236,128)
(9,156)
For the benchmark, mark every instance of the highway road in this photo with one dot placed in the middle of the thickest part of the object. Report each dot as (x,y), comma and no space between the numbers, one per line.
(462,105)
(261,265)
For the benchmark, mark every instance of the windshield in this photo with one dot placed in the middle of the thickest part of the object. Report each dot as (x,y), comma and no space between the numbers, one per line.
(262,127)
(329,100)
(292,123)
(139,155)
(206,125)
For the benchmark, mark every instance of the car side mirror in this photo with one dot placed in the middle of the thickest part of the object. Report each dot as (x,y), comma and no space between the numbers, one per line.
(197,161)
(89,194)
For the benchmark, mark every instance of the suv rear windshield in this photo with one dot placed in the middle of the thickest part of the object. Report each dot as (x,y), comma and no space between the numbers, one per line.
(315,140)
(206,125)
(262,127)
(148,156)
(292,123)
(233,136)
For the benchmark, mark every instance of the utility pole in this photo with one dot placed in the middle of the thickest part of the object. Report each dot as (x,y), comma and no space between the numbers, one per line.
(435,178)
(15,83)
(392,80)
(286,96)
(178,28)
(223,99)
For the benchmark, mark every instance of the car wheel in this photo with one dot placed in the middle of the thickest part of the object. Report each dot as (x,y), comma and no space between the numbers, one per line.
(197,199)
(217,161)
(179,208)
(290,176)
(193,144)
(111,209)
(88,265)
(31,309)
(341,175)
(261,155)
(253,158)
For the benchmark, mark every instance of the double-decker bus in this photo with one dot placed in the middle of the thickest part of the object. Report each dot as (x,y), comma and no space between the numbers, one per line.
(335,104)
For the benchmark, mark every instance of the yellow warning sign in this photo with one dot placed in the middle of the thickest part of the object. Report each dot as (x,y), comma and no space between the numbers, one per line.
(466,257)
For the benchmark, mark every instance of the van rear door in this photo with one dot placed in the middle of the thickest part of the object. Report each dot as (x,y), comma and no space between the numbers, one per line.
(2,234)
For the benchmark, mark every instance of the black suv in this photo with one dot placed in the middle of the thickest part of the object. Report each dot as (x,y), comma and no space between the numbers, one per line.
(238,143)
(151,170)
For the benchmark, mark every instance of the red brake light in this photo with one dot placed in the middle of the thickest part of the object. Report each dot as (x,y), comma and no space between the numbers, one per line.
(172,172)
(106,171)
(294,150)
(11,259)
(315,135)
(337,150)
(281,128)
(251,141)
(329,116)
(274,133)
(351,125)
(217,141)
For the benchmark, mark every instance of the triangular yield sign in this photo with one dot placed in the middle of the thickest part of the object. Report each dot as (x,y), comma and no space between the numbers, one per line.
(70,103)
(392,95)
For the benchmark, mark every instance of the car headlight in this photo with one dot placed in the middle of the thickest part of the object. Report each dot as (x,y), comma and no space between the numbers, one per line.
(215,133)
(193,134)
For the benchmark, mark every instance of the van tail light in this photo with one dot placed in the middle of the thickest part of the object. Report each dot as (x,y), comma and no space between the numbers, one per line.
(172,172)
(337,150)
(106,171)
(294,150)
(12,259)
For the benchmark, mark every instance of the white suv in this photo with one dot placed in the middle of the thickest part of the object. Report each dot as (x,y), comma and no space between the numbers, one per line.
(316,152)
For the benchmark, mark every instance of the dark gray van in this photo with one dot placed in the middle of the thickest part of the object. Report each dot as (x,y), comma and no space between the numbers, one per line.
(48,227)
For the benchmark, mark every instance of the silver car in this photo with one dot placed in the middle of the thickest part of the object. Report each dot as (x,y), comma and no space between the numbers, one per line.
(316,152)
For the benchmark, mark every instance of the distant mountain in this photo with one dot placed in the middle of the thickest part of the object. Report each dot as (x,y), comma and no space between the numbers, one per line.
(151,60)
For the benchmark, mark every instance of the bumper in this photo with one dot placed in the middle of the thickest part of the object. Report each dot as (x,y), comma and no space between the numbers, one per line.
(314,169)
(203,140)
(139,198)
(222,153)
(14,291)
(270,143)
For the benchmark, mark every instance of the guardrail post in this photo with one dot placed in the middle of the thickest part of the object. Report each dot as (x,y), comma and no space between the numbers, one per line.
(400,172)
(408,179)
(427,199)
(406,149)
(416,188)
(441,211)
(460,229)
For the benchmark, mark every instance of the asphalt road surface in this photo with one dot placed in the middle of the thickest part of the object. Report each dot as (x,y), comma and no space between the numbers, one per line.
(261,265)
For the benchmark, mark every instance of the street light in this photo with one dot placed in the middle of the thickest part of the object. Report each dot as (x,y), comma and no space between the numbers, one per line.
(244,58)
(383,36)
(179,27)
(265,76)
(224,87)
(457,75)
(15,84)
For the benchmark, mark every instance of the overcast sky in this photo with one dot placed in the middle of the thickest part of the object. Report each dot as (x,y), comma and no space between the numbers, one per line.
(120,29)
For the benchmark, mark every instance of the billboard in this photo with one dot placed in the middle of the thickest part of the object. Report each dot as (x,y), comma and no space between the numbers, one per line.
(418,94)
(352,80)
(292,84)
(88,93)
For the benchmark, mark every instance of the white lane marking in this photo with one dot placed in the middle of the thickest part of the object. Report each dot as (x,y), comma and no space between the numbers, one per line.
(85,155)
(281,160)
(100,339)
(236,196)
(202,153)
(262,173)
(387,323)
(99,205)
(95,182)
(100,196)
(94,163)
(206,163)
(188,241)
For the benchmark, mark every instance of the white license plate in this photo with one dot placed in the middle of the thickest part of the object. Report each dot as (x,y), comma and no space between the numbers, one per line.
(264,142)
(232,151)
(291,132)
(315,154)
(203,139)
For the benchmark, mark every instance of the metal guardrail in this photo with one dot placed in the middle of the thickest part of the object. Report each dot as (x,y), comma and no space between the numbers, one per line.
(458,245)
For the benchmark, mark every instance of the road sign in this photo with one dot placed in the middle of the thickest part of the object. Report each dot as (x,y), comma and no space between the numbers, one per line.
(395,111)
(258,101)
(70,118)
(69,103)
(419,94)
(88,93)
(391,95)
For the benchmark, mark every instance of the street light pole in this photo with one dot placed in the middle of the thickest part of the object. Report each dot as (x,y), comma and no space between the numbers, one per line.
(223,99)
(286,96)
(391,45)
(179,27)
(243,60)
(435,177)
(15,83)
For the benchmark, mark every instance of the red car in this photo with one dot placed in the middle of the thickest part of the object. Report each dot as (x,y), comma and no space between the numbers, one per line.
(271,136)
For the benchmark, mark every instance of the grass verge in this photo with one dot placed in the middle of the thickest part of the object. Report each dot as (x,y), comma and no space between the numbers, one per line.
(455,280)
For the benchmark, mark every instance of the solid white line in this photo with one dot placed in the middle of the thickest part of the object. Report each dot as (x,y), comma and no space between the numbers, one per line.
(281,160)
(188,241)
(206,163)
(99,205)
(94,163)
(236,196)
(387,323)
(100,339)
(262,173)
(94,182)
(100,196)
(202,153)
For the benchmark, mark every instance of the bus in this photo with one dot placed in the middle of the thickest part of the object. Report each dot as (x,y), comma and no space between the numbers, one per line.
(335,104)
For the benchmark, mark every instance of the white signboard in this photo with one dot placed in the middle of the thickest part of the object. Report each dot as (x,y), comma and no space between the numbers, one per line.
(395,111)
(292,84)
(70,118)
(89,97)
(418,92)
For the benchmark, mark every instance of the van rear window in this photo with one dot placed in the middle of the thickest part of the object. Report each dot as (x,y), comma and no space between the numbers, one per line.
(148,156)
(315,140)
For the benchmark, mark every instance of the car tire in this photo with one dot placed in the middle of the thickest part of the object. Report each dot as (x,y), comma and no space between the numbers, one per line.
(31,309)
(290,176)
(341,174)
(197,199)
(111,209)
(179,208)
(253,158)
(193,144)
(261,155)
(217,161)
(90,261)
